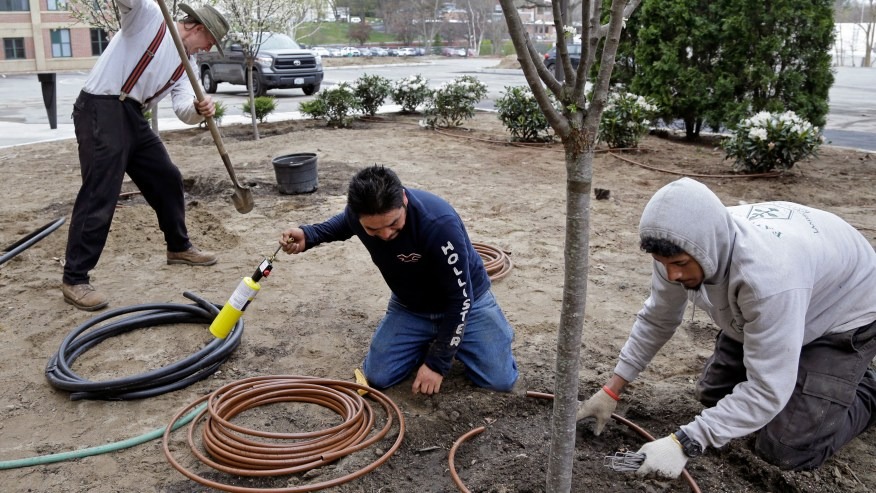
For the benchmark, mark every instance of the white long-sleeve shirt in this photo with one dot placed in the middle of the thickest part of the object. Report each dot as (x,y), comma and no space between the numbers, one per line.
(140,22)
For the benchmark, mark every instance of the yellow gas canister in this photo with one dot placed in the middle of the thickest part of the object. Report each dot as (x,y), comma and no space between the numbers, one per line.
(234,307)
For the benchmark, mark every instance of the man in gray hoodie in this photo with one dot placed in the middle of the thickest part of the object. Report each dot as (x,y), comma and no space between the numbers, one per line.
(793,291)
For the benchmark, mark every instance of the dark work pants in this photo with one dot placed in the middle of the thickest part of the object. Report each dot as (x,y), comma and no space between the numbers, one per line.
(834,399)
(114,138)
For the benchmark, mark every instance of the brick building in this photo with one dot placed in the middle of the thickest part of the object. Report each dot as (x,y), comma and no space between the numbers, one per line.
(41,36)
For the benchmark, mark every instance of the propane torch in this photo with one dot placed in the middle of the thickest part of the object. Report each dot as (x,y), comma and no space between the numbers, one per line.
(240,299)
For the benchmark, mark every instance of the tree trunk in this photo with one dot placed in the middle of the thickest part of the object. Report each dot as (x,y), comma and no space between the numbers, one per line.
(252,107)
(579,181)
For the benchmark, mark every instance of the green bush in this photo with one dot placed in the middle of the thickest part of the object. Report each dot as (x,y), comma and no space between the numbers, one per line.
(264,106)
(520,113)
(410,92)
(767,141)
(625,120)
(370,92)
(335,105)
(454,101)
(219,109)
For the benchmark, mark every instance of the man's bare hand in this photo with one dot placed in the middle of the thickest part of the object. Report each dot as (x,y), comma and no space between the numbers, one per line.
(205,108)
(427,382)
(292,240)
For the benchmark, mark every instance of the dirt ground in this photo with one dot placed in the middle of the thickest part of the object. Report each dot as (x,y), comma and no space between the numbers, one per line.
(316,312)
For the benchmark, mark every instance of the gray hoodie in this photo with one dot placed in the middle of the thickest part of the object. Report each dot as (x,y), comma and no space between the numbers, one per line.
(778,275)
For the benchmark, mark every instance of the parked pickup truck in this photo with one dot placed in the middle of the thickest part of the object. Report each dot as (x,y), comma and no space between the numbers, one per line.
(279,64)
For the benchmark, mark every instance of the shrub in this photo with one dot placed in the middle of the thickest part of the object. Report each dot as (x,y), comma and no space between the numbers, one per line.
(335,105)
(410,92)
(264,106)
(454,101)
(520,113)
(625,119)
(370,92)
(219,109)
(771,140)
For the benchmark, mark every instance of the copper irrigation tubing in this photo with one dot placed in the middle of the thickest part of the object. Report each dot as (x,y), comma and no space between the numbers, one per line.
(771,174)
(452,455)
(694,487)
(232,451)
(496,261)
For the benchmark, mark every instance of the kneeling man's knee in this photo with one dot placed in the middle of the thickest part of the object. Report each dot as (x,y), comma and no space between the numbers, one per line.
(788,458)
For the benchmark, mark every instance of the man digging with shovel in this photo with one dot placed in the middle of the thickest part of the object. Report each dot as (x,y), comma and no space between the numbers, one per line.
(140,66)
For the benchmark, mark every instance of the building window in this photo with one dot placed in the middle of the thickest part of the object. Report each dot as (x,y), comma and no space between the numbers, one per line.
(61,43)
(98,41)
(14,5)
(14,48)
(56,4)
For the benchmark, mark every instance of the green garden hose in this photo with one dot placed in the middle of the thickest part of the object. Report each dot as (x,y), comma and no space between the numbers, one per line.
(100,449)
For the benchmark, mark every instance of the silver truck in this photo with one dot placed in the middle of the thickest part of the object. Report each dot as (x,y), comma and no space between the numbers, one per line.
(279,64)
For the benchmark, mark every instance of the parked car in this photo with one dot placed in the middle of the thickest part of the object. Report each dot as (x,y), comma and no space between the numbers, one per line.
(321,51)
(406,51)
(280,63)
(365,51)
(550,58)
(350,51)
(378,51)
(452,51)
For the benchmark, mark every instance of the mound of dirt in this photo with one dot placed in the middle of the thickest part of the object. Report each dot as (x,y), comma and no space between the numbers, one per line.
(316,312)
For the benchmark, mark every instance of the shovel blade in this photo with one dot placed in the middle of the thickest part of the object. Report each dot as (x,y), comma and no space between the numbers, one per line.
(243,200)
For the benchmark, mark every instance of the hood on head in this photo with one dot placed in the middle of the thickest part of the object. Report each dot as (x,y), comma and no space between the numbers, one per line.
(690,216)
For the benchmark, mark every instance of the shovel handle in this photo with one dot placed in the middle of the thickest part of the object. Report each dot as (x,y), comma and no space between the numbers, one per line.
(199,93)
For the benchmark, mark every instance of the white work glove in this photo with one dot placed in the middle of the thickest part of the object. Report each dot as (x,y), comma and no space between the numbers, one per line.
(664,456)
(600,406)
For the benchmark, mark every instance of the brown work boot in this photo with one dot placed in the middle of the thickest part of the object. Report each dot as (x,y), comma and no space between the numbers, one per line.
(192,256)
(83,296)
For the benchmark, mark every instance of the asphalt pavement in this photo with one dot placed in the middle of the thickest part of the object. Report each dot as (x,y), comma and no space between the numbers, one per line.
(24,118)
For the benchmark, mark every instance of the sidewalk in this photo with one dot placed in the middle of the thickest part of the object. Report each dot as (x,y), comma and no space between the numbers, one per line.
(18,134)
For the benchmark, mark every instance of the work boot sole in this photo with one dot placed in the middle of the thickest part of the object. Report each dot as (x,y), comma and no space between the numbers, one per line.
(187,262)
(87,308)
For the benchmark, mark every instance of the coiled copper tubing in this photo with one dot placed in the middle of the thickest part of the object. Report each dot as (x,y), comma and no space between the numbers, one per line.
(496,261)
(237,450)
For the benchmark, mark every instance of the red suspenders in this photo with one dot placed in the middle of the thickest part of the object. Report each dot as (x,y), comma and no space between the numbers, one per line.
(144,62)
(173,78)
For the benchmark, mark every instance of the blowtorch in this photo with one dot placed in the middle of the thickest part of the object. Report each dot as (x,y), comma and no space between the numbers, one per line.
(240,299)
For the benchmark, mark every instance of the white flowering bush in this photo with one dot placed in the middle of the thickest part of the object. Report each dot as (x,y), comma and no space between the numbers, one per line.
(371,91)
(626,118)
(336,105)
(767,141)
(454,101)
(520,113)
(410,92)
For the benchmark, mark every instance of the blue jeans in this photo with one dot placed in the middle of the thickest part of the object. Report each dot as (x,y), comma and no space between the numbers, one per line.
(403,337)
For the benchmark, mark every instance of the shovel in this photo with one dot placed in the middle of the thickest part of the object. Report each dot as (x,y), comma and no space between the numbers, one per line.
(242,196)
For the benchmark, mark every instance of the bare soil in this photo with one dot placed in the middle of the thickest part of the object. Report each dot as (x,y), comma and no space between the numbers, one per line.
(316,312)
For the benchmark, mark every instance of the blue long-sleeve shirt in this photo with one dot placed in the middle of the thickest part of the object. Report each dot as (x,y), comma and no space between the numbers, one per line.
(431,266)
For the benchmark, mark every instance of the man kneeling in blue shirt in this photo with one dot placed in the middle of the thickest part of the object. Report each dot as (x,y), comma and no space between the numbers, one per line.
(441,305)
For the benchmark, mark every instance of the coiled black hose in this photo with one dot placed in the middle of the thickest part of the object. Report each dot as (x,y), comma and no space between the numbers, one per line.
(29,240)
(175,376)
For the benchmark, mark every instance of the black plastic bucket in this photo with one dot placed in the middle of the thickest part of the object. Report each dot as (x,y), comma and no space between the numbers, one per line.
(296,173)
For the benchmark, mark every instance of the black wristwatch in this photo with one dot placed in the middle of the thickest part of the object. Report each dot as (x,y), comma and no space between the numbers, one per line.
(691,447)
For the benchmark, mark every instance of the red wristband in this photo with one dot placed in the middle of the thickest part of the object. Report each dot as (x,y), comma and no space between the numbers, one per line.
(610,393)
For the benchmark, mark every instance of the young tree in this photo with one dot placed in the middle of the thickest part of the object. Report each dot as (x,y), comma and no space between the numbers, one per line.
(577,125)
(250,20)
(359,32)
(868,26)
(99,14)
